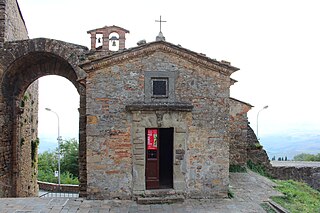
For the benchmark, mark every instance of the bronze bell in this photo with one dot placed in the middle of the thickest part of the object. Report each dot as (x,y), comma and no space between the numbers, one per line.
(114,39)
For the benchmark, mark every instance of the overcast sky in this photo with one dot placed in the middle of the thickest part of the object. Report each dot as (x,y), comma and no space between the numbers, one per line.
(276,45)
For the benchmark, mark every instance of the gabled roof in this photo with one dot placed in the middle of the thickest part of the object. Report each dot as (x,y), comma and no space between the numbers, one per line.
(113,27)
(236,100)
(200,59)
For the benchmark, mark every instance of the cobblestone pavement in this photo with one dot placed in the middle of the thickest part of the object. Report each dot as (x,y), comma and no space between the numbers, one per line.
(249,190)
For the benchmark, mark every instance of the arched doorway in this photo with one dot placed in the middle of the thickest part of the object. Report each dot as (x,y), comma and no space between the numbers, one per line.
(25,62)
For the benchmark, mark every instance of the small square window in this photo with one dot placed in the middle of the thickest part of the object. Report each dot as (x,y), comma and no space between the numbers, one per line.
(160,87)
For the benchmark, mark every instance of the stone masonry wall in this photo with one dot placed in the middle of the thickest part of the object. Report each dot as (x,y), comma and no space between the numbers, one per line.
(256,153)
(28,142)
(12,26)
(110,132)
(308,172)
(21,158)
(23,62)
(238,132)
(53,187)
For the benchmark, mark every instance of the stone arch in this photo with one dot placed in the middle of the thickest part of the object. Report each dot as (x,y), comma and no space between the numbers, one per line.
(22,63)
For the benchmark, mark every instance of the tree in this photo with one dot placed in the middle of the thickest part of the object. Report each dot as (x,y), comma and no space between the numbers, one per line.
(48,163)
(307,157)
(70,156)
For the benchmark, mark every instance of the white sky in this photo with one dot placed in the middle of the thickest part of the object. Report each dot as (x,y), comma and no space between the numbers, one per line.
(276,45)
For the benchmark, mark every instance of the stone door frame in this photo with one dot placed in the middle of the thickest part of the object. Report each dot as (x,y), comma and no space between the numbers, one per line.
(160,119)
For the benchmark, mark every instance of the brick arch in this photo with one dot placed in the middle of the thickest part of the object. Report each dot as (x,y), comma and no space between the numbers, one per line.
(22,63)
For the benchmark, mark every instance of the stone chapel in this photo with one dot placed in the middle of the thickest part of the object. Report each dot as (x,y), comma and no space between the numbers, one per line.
(156,119)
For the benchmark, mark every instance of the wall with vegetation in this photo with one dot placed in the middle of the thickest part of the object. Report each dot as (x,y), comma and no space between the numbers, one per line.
(27,150)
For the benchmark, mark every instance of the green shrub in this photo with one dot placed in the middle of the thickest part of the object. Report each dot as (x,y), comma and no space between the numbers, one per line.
(256,146)
(258,168)
(230,193)
(237,168)
(65,178)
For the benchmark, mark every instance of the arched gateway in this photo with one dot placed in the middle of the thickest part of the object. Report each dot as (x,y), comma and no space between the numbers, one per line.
(22,63)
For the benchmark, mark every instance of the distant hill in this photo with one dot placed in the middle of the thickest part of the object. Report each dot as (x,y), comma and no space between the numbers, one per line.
(50,143)
(291,145)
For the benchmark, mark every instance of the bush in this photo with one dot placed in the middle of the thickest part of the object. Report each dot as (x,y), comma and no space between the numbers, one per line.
(65,178)
(258,168)
(237,168)
(230,194)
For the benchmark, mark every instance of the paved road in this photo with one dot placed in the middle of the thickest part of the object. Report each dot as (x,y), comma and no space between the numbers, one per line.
(249,189)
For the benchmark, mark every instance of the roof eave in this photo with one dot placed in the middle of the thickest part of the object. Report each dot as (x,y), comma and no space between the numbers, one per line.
(227,68)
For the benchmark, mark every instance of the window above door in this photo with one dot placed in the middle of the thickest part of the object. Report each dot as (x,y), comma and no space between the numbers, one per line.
(159,86)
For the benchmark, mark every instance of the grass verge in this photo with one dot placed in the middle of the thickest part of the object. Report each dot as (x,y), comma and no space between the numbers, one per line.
(299,197)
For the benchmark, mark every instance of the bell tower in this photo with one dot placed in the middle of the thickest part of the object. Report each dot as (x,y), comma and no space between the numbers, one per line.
(112,38)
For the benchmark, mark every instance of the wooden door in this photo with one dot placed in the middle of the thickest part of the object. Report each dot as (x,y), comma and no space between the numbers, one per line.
(152,159)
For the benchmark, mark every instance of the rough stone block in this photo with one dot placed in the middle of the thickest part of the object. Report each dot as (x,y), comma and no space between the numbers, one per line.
(91,119)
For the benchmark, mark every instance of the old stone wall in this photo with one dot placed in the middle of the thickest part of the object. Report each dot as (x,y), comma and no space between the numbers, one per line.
(27,147)
(308,172)
(53,187)
(255,152)
(238,132)
(12,26)
(23,62)
(111,134)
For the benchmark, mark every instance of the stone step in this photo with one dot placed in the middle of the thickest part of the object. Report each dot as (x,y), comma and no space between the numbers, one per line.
(160,200)
(277,207)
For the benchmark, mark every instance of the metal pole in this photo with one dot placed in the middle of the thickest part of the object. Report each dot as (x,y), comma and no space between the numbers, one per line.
(265,107)
(59,141)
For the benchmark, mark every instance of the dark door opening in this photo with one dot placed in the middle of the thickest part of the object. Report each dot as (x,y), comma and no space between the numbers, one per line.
(166,158)
(159,158)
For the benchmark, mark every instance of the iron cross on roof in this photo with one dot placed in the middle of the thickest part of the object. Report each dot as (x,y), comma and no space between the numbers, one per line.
(160,23)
